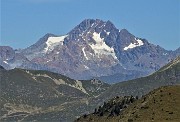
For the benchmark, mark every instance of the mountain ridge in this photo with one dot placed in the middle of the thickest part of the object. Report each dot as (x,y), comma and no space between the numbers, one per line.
(93,49)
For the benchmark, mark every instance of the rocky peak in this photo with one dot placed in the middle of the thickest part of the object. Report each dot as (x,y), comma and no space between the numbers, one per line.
(6,53)
(89,26)
(125,36)
(85,24)
(44,38)
(110,26)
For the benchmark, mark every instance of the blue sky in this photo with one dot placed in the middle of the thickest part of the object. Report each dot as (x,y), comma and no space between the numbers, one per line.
(23,22)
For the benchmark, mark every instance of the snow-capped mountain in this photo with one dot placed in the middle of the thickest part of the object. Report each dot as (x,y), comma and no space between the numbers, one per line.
(95,48)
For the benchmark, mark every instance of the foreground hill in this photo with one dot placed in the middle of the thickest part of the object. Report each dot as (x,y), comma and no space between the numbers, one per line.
(162,104)
(30,95)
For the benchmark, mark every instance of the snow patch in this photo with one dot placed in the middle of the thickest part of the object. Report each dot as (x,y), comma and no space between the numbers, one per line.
(53,41)
(133,45)
(86,67)
(5,62)
(48,61)
(107,32)
(100,47)
(165,54)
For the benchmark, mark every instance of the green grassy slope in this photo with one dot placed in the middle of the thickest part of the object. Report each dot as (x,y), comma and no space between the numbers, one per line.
(160,105)
(168,75)
(30,95)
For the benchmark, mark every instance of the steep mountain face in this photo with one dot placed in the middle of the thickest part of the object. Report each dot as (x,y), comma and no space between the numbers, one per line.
(28,95)
(96,48)
(81,54)
(162,104)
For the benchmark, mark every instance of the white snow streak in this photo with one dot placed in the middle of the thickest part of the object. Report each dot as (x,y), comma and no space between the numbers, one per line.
(84,53)
(133,45)
(100,47)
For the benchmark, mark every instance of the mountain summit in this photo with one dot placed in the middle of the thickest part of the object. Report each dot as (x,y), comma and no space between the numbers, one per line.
(95,48)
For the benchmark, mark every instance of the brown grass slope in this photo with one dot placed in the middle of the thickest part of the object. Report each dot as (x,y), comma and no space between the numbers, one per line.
(160,105)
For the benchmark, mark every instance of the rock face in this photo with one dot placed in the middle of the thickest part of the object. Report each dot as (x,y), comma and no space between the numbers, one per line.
(95,48)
